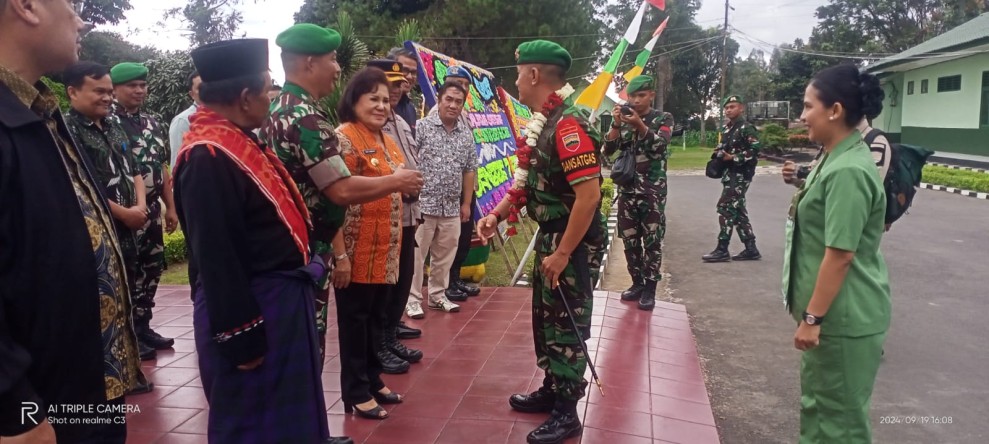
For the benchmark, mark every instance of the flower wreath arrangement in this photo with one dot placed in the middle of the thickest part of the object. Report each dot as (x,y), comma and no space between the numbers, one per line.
(518,194)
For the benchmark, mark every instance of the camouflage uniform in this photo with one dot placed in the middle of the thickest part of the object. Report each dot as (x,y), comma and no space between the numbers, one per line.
(567,153)
(301,135)
(147,142)
(642,204)
(114,167)
(740,139)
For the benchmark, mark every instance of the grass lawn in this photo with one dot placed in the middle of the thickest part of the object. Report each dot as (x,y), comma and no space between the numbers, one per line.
(176,274)
(692,158)
(966,180)
(497,274)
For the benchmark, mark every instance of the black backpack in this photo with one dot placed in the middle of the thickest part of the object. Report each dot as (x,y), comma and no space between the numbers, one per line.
(906,166)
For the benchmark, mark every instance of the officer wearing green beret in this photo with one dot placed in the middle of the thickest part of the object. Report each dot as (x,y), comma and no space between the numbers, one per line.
(645,132)
(562,191)
(148,142)
(739,148)
(302,136)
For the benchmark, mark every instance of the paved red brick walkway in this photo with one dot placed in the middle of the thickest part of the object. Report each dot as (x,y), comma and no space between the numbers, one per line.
(473,361)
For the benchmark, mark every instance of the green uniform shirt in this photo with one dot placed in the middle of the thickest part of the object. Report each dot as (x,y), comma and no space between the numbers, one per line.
(651,153)
(740,139)
(301,135)
(843,206)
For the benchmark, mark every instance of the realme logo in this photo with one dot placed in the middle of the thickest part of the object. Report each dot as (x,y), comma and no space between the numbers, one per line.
(28,410)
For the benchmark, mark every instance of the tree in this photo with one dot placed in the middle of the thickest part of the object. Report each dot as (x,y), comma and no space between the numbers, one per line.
(209,20)
(889,26)
(473,31)
(792,67)
(101,12)
(168,89)
(750,77)
(109,48)
(698,71)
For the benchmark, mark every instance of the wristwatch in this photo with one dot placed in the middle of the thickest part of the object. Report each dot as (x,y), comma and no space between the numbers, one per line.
(812,320)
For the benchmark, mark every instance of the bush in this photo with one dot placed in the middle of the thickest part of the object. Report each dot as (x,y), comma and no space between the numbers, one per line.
(59,90)
(694,138)
(798,140)
(773,138)
(175,251)
(966,180)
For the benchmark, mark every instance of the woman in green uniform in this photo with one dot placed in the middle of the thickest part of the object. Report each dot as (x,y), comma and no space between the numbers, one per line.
(835,282)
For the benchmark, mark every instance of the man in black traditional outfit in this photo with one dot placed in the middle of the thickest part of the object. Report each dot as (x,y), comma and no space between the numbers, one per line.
(247,229)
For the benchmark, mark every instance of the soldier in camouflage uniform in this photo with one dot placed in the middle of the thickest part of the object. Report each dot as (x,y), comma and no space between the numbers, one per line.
(148,142)
(739,148)
(642,203)
(300,133)
(563,196)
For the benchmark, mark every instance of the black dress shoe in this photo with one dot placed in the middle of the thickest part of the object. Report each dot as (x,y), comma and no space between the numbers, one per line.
(154,340)
(562,424)
(455,295)
(406,332)
(145,351)
(339,440)
(468,289)
(407,354)
(391,364)
(539,401)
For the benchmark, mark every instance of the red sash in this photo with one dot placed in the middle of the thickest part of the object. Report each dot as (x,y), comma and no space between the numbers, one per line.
(206,127)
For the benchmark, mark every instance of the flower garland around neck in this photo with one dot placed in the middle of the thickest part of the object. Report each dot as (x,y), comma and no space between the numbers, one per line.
(518,194)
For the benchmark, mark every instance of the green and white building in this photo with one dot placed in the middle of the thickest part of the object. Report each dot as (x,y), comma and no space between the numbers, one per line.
(937,93)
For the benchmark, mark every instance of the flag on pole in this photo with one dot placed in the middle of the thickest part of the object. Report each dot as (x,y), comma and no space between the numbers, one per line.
(661,4)
(594,94)
(643,57)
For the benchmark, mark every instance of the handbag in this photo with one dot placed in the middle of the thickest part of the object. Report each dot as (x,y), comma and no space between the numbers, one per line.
(716,166)
(623,171)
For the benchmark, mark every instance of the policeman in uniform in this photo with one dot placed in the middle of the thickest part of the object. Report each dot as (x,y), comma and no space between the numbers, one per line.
(739,148)
(642,204)
(151,151)
(563,195)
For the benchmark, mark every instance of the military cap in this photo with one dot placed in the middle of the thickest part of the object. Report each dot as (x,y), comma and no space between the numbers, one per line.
(307,38)
(543,51)
(392,69)
(732,98)
(125,72)
(229,59)
(457,72)
(640,83)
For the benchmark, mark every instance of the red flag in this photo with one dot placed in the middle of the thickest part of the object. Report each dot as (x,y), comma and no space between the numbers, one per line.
(661,28)
(661,4)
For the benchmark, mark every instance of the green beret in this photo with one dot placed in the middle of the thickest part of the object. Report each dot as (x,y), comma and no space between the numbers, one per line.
(307,38)
(640,83)
(543,51)
(126,72)
(732,98)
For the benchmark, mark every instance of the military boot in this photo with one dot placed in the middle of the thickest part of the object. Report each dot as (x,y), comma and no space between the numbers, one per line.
(539,401)
(719,254)
(399,349)
(635,291)
(563,423)
(750,253)
(647,300)
(390,364)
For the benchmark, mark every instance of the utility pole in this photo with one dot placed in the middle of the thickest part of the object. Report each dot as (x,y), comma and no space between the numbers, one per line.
(724,53)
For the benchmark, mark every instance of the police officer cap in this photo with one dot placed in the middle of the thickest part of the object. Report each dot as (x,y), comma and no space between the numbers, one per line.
(307,38)
(125,72)
(392,69)
(229,59)
(732,98)
(457,72)
(640,83)
(543,51)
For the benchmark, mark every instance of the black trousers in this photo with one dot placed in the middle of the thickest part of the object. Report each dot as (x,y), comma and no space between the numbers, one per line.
(463,248)
(399,294)
(359,310)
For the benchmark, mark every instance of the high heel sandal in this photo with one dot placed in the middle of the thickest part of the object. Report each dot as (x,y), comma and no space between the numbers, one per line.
(391,398)
(375,413)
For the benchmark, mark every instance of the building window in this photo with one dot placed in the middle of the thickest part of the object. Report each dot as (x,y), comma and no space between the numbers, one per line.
(950,83)
(910,88)
(984,114)
(923,86)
